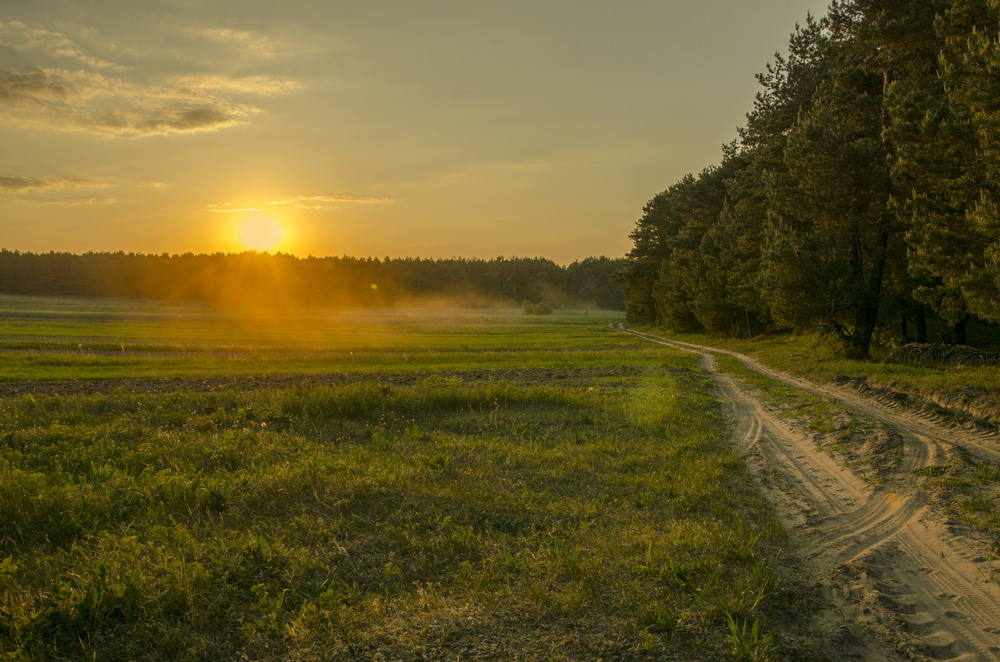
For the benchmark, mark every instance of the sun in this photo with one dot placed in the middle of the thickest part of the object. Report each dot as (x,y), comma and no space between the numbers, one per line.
(260,233)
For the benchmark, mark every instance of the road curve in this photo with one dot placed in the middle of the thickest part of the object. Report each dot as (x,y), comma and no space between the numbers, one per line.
(917,584)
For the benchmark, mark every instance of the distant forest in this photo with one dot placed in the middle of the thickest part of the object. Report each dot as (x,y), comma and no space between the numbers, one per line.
(261,279)
(862,197)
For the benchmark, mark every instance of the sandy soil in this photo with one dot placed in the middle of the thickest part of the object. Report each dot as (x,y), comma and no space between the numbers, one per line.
(900,581)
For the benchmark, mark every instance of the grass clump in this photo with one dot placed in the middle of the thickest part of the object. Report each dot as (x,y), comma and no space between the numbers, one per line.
(971,491)
(747,643)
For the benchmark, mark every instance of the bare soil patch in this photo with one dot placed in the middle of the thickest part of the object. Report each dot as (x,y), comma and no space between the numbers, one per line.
(968,409)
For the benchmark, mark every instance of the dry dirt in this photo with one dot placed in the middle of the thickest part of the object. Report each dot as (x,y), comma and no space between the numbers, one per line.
(900,581)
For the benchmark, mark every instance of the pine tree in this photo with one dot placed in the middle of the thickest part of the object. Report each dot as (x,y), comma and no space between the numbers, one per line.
(963,250)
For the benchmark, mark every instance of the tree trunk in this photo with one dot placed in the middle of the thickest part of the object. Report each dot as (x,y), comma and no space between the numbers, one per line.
(860,340)
(921,326)
(867,315)
(958,331)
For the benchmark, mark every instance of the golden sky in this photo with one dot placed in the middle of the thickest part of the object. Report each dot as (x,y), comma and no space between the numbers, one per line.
(423,128)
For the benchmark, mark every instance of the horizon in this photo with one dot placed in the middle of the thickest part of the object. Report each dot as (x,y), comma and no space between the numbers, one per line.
(377,258)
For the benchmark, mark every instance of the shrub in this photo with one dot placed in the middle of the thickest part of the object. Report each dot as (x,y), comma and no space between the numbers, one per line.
(530,308)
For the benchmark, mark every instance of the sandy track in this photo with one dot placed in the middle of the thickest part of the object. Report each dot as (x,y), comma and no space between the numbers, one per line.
(906,582)
(983,446)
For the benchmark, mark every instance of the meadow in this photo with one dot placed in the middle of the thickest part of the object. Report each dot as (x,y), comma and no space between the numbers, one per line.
(537,488)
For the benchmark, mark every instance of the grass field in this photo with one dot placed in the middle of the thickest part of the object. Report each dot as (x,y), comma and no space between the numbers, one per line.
(598,514)
(69,339)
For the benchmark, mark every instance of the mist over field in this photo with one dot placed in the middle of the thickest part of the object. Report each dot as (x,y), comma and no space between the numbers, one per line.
(262,280)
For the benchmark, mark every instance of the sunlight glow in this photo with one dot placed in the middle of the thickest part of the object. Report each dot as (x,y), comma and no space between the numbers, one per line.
(260,233)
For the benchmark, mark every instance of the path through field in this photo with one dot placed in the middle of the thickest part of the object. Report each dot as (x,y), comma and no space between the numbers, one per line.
(914,584)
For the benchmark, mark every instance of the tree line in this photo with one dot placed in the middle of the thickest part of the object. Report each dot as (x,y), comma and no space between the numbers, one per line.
(861,196)
(262,279)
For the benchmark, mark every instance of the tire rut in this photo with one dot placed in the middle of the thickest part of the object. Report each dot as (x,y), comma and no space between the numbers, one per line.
(884,554)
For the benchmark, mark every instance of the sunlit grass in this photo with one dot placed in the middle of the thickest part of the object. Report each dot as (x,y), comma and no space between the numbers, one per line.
(367,519)
(126,341)
(69,366)
(439,520)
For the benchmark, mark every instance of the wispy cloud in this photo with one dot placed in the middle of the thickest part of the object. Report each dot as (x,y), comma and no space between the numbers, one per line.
(516,166)
(95,98)
(53,190)
(309,202)
(326,201)
(247,42)
(91,102)
(256,85)
(77,202)
(25,37)
(36,87)
(18,183)
(228,208)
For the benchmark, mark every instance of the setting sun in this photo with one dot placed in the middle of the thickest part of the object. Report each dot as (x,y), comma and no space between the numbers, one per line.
(260,233)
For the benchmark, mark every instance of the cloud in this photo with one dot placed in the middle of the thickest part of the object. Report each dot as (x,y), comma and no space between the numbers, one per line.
(326,201)
(310,202)
(248,42)
(34,86)
(229,209)
(195,119)
(97,98)
(91,102)
(256,85)
(52,190)
(54,44)
(19,184)
(516,166)
(75,202)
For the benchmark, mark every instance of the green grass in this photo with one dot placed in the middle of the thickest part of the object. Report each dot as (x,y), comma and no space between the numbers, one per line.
(447,519)
(818,359)
(971,491)
(814,410)
(30,366)
(65,340)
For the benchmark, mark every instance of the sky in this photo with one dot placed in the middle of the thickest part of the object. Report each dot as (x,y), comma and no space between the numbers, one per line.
(366,128)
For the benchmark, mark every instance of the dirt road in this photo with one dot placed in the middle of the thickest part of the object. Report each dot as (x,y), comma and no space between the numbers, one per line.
(902,581)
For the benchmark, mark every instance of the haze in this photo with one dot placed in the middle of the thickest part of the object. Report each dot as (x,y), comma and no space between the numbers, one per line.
(391,128)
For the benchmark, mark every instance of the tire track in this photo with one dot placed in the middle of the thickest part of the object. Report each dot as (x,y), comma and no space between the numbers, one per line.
(983,446)
(919,588)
